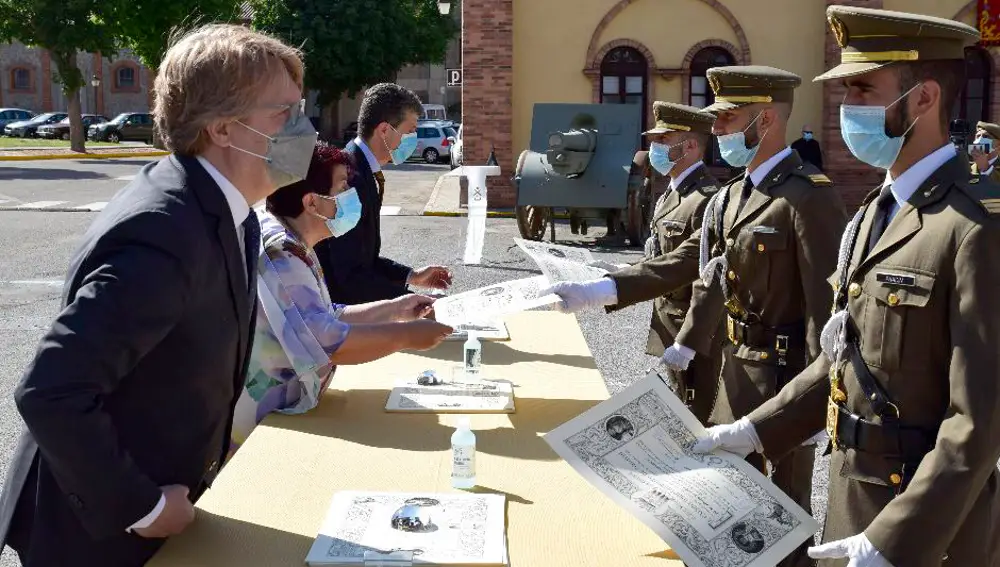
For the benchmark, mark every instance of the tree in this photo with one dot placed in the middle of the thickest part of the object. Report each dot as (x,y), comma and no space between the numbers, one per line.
(350,44)
(63,27)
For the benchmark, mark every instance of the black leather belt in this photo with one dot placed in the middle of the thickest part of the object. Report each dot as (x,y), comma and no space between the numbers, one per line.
(907,444)
(759,336)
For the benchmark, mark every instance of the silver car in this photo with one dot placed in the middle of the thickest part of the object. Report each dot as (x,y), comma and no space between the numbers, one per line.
(8,115)
(433,145)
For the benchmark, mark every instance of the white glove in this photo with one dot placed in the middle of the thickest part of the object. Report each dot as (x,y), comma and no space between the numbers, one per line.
(650,246)
(607,266)
(739,438)
(857,548)
(677,357)
(577,296)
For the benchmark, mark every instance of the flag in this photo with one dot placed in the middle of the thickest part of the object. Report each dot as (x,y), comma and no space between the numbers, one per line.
(988,18)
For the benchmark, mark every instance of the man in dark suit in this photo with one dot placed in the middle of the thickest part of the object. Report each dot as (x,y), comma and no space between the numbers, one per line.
(808,148)
(129,400)
(354,270)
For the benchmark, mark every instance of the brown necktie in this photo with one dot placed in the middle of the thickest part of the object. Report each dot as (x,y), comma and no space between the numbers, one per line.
(380,178)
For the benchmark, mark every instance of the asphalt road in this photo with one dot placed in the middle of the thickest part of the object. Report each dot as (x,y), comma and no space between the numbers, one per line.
(37,246)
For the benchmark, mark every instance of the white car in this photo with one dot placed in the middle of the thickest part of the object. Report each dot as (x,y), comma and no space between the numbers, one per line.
(456,149)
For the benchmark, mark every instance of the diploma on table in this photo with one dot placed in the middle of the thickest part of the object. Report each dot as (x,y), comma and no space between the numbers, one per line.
(714,510)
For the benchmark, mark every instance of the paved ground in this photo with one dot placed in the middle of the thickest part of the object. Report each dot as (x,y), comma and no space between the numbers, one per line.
(37,247)
(88,184)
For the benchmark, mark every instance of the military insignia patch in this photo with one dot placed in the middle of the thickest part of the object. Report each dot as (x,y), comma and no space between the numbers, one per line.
(820,179)
(839,31)
(992,206)
(713,81)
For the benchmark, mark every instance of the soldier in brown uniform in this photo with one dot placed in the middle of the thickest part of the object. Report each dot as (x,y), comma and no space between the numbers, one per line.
(983,162)
(678,143)
(908,384)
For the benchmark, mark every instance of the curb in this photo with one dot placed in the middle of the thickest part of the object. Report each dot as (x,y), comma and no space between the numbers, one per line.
(84,156)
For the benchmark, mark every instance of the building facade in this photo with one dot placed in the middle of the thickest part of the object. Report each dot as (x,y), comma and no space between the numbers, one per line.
(26,81)
(520,52)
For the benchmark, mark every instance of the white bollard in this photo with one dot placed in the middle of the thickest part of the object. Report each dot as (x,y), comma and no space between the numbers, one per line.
(476,232)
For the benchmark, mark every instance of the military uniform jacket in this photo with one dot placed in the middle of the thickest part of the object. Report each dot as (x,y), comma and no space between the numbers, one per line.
(676,218)
(780,248)
(925,304)
(994,175)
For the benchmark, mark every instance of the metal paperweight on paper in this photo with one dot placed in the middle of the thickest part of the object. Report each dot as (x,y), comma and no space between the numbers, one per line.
(714,510)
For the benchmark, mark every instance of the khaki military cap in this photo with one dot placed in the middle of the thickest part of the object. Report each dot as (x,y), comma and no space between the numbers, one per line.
(741,85)
(992,129)
(673,117)
(870,39)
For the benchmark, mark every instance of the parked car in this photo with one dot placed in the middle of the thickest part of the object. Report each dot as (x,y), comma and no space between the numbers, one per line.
(9,115)
(434,112)
(27,128)
(60,130)
(432,141)
(456,149)
(136,126)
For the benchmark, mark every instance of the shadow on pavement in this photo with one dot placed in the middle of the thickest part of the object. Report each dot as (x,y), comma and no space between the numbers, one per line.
(54,173)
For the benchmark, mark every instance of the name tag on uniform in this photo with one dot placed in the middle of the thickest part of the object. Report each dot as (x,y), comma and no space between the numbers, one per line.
(895,279)
(764,230)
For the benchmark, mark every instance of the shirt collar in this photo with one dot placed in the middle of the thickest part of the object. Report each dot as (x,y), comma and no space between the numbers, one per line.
(911,179)
(675,182)
(238,205)
(758,175)
(372,160)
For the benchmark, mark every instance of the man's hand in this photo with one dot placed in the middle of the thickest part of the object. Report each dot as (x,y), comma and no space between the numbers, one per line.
(434,277)
(857,548)
(739,438)
(411,306)
(177,513)
(677,357)
(982,160)
(577,296)
(424,334)
(607,266)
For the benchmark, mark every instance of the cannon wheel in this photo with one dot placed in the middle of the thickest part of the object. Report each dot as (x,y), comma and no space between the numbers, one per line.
(637,210)
(532,221)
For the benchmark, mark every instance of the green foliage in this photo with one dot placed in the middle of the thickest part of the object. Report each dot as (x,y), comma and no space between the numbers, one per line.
(350,44)
(62,27)
(145,26)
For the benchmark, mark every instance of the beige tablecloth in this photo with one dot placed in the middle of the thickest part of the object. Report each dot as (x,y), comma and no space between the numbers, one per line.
(267,505)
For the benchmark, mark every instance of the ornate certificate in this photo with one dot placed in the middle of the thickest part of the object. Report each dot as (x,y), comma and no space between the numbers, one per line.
(438,529)
(714,510)
(485,396)
(561,263)
(480,306)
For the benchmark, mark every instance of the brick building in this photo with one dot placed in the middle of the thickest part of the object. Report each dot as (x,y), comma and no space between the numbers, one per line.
(26,82)
(519,53)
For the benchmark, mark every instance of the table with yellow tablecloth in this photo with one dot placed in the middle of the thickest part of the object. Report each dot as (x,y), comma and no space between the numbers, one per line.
(268,503)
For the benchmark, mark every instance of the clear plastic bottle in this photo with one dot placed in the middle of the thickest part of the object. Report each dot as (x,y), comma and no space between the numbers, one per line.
(463,455)
(473,356)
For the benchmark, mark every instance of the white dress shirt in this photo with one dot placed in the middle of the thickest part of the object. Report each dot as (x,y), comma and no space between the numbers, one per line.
(757,175)
(676,182)
(372,160)
(239,208)
(911,179)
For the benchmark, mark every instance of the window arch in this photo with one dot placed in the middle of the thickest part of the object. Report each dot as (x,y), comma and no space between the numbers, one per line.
(974,103)
(624,72)
(21,79)
(701,95)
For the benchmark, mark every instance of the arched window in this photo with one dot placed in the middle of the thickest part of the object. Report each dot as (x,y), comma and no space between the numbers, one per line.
(974,104)
(125,77)
(701,95)
(20,79)
(623,78)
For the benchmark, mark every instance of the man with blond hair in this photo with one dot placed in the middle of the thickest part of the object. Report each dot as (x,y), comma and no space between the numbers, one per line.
(128,403)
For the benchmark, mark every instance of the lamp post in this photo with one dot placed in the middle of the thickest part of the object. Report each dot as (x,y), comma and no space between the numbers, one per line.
(444,6)
(95,82)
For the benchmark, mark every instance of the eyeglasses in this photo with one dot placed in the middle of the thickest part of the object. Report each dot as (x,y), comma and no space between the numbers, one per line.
(295,110)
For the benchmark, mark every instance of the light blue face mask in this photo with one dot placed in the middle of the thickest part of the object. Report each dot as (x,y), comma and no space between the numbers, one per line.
(733,147)
(807,135)
(407,143)
(659,157)
(863,130)
(348,212)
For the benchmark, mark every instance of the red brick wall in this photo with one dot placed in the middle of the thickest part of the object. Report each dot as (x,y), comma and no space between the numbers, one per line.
(487,90)
(853,178)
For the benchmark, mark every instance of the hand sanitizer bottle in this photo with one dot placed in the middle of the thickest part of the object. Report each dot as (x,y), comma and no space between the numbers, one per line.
(463,455)
(473,350)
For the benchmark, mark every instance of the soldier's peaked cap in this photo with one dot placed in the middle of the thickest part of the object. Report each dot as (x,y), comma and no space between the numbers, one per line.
(741,85)
(870,39)
(990,128)
(673,117)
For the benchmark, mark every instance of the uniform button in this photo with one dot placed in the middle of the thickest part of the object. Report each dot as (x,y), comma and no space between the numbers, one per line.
(730,242)
(212,466)
(731,275)
(895,479)
(763,356)
(893,299)
(873,397)
(760,247)
(854,290)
